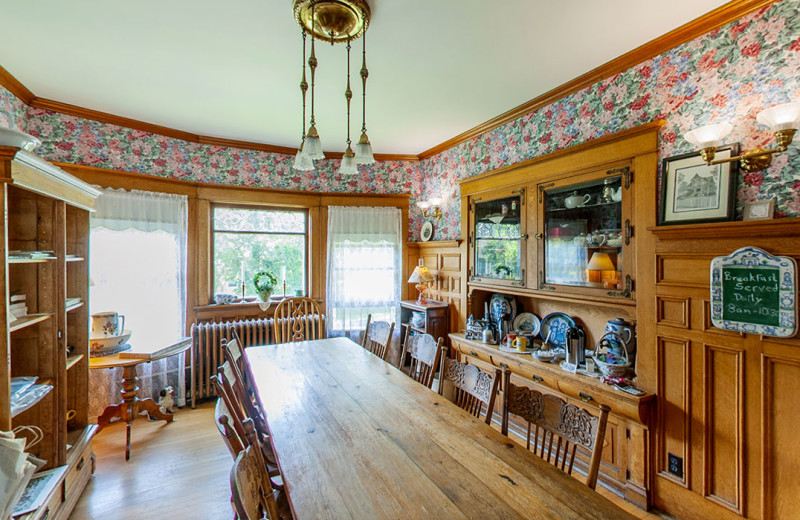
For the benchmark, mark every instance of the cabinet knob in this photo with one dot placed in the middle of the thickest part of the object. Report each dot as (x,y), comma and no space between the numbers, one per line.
(539,236)
(536,378)
(585,397)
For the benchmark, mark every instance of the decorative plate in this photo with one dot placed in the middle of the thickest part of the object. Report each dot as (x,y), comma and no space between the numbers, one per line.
(501,303)
(555,326)
(527,322)
(427,231)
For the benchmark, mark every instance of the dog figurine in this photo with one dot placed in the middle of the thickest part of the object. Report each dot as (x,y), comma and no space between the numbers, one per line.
(166,402)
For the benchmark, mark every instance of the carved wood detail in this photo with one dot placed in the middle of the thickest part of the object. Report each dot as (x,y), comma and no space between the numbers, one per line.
(673,311)
(674,406)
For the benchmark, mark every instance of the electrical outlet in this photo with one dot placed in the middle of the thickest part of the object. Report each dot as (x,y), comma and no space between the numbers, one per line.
(675,465)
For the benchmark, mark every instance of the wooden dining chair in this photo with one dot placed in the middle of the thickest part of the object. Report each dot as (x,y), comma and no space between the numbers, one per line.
(298,319)
(233,353)
(467,386)
(377,337)
(224,385)
(222,418)
(254,497)
(423,351)
(551,415)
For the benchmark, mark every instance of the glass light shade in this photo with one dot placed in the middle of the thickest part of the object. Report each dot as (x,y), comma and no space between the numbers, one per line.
(436,201)
(348,166)
(709,136)
(421,275)
(302,162)
(600,262)
(364,150)
(313,146)
(423,204)
(781,117)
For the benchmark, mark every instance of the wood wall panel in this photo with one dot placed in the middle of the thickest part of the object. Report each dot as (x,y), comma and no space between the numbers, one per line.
(445,261)
(673,311)
(673,405)
(723,375)
(682,270)
(780,421)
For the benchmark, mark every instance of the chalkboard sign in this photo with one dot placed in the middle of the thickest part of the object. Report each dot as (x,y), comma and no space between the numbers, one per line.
(755,292)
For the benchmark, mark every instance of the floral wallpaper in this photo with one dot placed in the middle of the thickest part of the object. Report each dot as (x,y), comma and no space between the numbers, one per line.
(12,111)
(729,74)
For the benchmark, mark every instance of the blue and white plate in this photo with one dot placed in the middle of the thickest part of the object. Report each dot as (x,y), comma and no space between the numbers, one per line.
(555,325)
(501,303)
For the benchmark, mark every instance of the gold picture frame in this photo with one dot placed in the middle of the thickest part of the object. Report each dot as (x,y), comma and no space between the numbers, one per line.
(759,209)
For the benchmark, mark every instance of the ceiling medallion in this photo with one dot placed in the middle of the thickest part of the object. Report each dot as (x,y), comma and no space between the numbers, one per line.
(337,21)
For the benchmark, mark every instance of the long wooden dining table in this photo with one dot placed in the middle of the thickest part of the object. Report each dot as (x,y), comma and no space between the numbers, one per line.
(356,438)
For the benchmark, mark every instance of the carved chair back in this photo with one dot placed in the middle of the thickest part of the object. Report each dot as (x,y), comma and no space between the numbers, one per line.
(424,353)
(225,426)
(377,337)
(548,415)
(253,496)
(467,386)
(298,319)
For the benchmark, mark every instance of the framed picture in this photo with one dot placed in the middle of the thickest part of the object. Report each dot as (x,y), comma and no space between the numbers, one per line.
(694,192)
(759,209)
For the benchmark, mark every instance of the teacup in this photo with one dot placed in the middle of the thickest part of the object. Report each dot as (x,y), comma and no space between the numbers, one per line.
(105,324)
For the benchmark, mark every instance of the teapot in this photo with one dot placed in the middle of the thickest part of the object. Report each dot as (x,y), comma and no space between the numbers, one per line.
(576,200)
(623,336)
(596,239)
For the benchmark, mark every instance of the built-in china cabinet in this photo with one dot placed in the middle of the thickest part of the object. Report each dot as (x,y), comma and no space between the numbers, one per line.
(44,324)
(558,234)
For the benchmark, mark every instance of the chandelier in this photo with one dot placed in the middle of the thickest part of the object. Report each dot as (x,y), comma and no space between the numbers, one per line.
(333,21)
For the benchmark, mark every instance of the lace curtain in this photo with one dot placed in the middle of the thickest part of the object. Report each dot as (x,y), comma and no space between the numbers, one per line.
(138,269)
(364,267)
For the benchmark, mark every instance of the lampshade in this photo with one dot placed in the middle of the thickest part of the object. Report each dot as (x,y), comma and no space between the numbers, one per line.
(421,275)
(348,166)
(313,147)
(302,162)
(600,262)
(423,204)
(436,201)
(709,136)
(781,117)
(364,150)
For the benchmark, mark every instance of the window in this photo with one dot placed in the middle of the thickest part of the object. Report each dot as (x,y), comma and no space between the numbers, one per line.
(138,269)
(247,240)
(364,265)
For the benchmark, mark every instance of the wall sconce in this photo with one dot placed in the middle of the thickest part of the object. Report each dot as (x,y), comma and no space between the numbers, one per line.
(430,208)
(782,119)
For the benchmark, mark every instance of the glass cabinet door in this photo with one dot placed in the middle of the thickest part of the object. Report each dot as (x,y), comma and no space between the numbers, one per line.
(582,233)
(498,240)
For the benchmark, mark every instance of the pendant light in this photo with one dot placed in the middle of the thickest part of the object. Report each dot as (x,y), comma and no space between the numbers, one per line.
(348,166)
(312,146)
(302,162)
(364,147)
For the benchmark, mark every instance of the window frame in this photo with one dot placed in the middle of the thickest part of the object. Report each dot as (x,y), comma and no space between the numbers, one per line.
(260,207)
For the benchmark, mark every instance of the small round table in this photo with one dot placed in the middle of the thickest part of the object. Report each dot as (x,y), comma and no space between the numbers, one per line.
(130,406)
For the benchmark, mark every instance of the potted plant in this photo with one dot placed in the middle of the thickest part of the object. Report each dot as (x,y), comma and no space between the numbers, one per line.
(264,281)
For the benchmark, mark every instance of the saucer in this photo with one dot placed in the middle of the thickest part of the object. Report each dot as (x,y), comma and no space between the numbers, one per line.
(108,342)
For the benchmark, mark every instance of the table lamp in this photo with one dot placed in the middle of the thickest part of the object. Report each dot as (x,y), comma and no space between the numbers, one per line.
(599,262)
(422,277)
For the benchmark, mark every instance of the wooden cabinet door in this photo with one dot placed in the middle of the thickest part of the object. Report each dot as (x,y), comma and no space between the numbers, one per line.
(498,238)
(584,233)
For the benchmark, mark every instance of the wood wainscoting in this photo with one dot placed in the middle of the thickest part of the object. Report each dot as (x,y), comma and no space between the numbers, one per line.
(446,260)
(727,402)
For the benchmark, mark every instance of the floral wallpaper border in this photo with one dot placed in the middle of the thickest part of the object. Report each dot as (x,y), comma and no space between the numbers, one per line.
(729,74)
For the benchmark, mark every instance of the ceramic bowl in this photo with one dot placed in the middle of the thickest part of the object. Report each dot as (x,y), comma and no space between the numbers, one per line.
(109,342)
(224,299)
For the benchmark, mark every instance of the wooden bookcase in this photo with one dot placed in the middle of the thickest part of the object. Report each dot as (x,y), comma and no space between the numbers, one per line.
(47,209)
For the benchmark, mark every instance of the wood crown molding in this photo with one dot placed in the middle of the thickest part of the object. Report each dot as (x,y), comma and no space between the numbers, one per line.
(702,25)
(127,180)
(779,227)
(698,27)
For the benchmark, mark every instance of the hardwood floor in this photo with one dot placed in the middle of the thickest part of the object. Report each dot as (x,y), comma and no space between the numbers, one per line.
(177,471)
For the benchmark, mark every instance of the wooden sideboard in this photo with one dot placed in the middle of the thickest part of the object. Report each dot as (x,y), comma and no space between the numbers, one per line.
(624,468)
